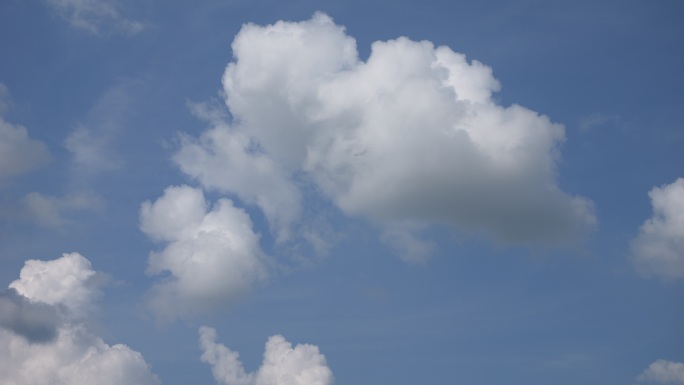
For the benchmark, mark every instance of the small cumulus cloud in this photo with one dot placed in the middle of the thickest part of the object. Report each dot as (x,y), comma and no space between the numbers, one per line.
(411,135)
(658,249)
(212,253)
(282,364)
(41,348)
(663,372)
(96,16)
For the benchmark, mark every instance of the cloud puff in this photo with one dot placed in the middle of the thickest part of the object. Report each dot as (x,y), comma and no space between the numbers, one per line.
(72,355)
(412,134)
(212,254)
(96,16)
(282,364)
(663,372)
(69,281)
(18,152)
(658,249)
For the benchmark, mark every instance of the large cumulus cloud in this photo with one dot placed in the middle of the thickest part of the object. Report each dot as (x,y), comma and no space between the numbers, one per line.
(282,364)
(410,136)
(658,249)
(56,347)
(211,253)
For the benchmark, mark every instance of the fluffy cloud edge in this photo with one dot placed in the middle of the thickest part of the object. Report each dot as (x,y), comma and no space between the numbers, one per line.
(420,142)
(658,248)
(211,253)
(302,364)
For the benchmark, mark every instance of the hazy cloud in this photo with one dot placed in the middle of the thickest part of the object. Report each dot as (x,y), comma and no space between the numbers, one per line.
(410,135)
(282,364)
(658,249)
(49,210)
(92,142)
(592,121)
(663,372)
(212,253)
(70,354)
(96,16)
(18,152)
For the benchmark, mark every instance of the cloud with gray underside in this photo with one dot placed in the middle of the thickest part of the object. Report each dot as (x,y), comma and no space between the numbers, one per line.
(37,322)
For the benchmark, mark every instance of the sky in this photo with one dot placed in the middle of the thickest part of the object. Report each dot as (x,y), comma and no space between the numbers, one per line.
(261,192)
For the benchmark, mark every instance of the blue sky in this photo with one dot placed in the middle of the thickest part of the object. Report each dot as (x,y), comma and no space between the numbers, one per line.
(341,192)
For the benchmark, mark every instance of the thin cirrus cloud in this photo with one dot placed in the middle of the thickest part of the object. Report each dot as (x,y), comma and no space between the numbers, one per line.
(212,253)
(282,364)
(658,249)
(60,350)
(96,16)
(408,138)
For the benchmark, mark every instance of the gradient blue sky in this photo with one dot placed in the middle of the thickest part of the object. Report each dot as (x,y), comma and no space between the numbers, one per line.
(112,90)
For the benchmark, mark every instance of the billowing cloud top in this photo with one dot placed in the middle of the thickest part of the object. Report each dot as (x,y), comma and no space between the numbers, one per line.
(44,339)
(658,249)
(282,365)
(410,135)
(67,281)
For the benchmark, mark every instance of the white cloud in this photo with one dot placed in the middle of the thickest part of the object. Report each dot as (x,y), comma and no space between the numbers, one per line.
(658,249)
(282,364)
(663,372)
(69,281)
(410,135)
(213,254)
(18,152)
(74,356)
(49,210)
(225,160)
(96,16)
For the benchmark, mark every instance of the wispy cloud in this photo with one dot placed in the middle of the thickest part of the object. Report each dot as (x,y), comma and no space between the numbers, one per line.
(96,16)
(18,152)
(49,211)
(93,141)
